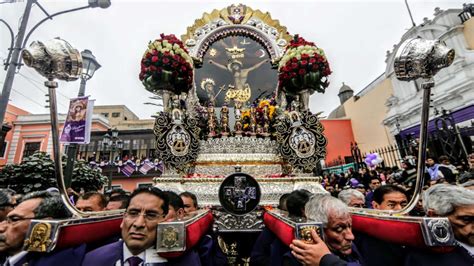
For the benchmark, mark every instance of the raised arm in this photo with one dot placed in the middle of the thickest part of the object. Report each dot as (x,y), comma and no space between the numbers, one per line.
(218,65)
(257,65)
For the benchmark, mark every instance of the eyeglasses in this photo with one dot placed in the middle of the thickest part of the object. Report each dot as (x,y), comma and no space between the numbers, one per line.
(15,219)
(149,216)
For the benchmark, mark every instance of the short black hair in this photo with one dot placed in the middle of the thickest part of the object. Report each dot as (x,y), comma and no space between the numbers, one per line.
(154,191)
(374,177)
(174,200)
(124,198)
(380,192)
(188,194)
(5,199)
(91,194)
(119,191)
(282,202)
(443,158)
(296,201)
(51,205)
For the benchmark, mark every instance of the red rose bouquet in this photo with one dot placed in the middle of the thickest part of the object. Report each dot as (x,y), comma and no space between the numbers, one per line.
(166,65)
(303,66)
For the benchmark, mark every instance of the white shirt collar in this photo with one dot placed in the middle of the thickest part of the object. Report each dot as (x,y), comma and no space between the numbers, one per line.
(127,254)
(17,257)
(148,256)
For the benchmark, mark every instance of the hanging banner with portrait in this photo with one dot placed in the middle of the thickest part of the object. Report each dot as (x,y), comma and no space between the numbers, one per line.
(77,128)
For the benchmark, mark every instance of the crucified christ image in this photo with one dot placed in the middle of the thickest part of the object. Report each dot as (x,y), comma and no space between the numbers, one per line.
(240,74)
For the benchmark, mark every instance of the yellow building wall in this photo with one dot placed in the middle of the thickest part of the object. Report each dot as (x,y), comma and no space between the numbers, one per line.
(367,114)
(469,33)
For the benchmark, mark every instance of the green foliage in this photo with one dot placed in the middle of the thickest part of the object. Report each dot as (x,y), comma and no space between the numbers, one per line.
(36,172)
(86,178)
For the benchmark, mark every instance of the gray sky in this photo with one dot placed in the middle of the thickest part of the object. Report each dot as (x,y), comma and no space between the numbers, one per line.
(354,34)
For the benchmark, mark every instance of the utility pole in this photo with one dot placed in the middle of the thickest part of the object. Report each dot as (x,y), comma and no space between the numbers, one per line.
(12,64)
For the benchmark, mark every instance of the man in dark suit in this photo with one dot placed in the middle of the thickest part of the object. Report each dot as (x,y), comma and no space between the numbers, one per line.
(375,251)
(148,207)
(337,247)
(36,205)
(457,204)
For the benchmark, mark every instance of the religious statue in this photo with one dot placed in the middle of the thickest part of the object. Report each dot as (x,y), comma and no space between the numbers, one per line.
(211,122)
(253,120)
(238,123)
(295,104)
(225,120)
(207,85)
(176,112)
(266,122)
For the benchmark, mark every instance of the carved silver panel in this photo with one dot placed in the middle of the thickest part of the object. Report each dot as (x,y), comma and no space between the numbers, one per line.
(437,232)
(206,189)
(227,222)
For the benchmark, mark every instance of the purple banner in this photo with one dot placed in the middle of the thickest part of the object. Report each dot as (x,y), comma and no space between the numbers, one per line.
(78,121)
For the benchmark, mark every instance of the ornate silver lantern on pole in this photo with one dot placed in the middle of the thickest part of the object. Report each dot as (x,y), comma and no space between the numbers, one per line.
(55,59)
(418,58)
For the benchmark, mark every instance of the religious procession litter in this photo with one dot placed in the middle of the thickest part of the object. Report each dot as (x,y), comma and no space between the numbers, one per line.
(239,154)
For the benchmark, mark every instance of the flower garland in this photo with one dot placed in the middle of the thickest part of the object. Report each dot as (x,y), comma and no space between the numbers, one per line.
(303,65)
(167,64)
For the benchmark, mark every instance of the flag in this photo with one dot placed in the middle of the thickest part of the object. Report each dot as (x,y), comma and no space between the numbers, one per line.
(145,168)
(128,170)
(77,127)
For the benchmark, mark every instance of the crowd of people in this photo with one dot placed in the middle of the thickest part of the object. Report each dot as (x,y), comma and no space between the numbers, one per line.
(337,245)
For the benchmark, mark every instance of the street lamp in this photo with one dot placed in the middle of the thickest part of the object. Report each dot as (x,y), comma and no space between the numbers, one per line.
(111,139)
(89,66)
(419,58)
(13,60)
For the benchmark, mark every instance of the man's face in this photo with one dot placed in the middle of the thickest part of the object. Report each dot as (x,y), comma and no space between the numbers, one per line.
(356,202)
(174,214)
(91,204)
(12,235)
(235,67)
(361,190)
(338,233)
(462,221)
(188,204)
(138,230)
(430,162)
(392,201)
(374,184)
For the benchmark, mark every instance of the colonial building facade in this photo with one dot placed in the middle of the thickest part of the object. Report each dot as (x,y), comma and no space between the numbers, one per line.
(387,111)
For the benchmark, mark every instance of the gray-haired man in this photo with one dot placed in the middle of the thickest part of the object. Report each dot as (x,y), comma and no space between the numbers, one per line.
(352,197)
(457,204)
(338,248)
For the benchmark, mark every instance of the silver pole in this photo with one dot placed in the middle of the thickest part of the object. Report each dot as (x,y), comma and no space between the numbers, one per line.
(52,85)
(420,174)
